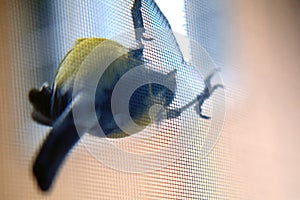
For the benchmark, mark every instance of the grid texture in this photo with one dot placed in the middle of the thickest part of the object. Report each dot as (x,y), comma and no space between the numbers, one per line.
(192,164)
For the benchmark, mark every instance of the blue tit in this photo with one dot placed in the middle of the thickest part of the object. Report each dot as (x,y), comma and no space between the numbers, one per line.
(53,105)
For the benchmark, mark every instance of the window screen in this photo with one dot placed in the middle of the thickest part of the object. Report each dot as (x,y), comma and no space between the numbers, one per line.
(180,158)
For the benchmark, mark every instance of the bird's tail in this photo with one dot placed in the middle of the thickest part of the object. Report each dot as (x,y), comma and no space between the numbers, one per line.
(54,150)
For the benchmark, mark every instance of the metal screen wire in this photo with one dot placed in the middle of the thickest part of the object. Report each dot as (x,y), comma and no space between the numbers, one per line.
(179,158)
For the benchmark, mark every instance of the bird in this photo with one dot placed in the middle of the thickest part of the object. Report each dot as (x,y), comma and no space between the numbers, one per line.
(54,105)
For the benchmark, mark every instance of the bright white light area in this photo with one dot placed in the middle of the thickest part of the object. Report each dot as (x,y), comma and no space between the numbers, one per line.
(174,11)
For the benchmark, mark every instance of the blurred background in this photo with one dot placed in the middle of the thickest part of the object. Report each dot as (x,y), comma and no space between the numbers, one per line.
(255,42)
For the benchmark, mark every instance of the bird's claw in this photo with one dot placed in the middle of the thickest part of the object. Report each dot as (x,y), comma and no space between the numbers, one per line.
(204,116)
(147,39)
(174,113)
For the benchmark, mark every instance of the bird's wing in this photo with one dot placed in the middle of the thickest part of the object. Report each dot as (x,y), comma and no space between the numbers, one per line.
(163,51)
(155,20)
